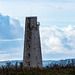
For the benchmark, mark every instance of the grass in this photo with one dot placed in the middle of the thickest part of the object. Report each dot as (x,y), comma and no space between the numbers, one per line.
(38,71)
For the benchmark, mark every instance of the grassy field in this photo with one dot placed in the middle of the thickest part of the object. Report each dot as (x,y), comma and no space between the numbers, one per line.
(37,71)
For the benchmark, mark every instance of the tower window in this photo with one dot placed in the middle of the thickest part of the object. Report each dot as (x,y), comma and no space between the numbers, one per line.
(29,38)
(28,54)
(28,20)
(28,63)
(28,26)
(29,45)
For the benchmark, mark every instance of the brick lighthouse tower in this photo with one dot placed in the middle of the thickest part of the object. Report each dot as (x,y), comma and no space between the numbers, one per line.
(32,48)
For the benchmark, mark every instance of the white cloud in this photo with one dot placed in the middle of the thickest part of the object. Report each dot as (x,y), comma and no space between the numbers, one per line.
(18,39)
(58,40)
(11,38)
(50,10)
(11,54)
(10,28)
(6,57)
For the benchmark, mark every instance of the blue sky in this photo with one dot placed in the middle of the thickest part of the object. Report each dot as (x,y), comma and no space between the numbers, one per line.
(57,19)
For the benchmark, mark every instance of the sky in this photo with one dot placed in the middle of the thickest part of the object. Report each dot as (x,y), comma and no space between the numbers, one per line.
(57,28)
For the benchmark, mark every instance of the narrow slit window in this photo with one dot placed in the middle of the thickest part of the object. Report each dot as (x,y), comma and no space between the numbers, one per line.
(28,63)
(28,54)
(29,45)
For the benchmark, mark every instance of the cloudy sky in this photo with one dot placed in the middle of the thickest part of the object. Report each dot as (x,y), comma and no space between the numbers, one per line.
(57,19)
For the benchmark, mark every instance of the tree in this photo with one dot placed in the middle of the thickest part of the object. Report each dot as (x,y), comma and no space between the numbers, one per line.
(72,62)
(21,64)
(8,64)
(16,65)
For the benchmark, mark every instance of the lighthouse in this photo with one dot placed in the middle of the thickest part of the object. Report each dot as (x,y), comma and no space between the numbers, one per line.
(32,56)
